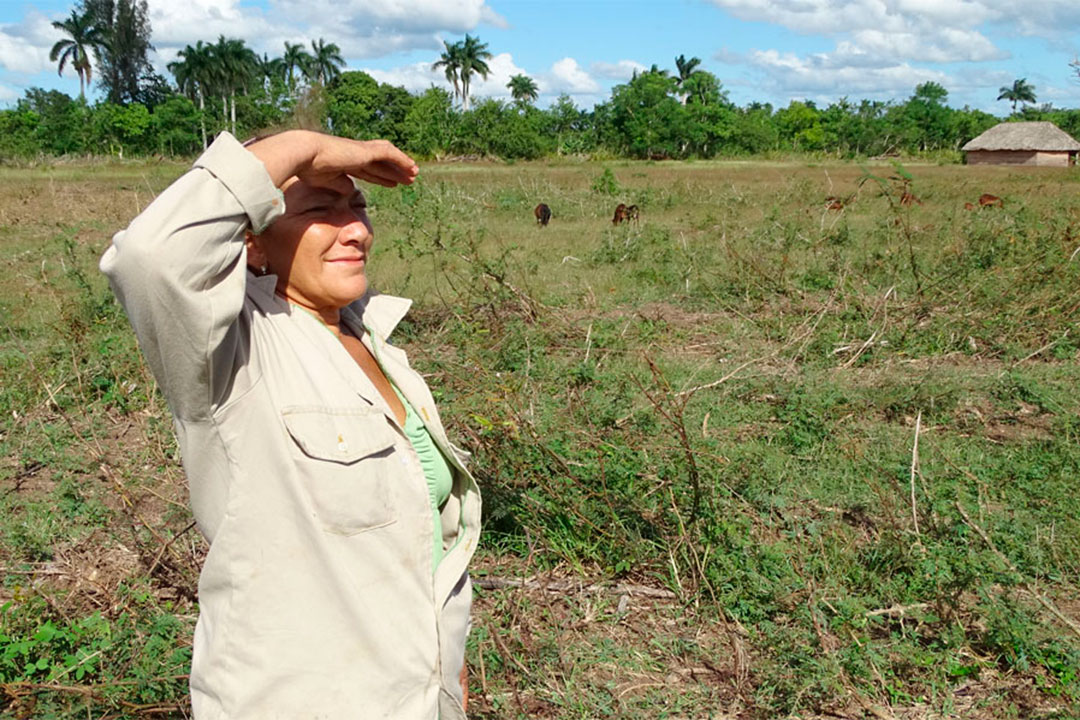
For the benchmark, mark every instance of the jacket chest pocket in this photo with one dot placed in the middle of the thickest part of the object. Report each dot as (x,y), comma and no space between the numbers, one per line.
(346,464)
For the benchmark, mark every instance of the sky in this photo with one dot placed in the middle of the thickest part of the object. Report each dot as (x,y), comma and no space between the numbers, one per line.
(771,51)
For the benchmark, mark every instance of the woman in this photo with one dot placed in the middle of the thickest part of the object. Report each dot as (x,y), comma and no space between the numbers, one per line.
(340,518)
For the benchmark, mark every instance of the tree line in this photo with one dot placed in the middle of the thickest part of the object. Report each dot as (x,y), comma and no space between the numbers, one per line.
(657,114)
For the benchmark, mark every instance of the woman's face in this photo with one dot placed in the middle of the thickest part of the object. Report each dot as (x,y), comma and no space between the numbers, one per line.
(320,246)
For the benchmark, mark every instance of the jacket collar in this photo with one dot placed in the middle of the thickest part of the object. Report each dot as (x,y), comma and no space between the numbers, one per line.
(380,313)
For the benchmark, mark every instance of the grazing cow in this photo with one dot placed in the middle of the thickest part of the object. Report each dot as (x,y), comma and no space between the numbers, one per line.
(969,206)
(632,213)
(988,200)
(907,199)
(834,203)
(620,214)
(543,214)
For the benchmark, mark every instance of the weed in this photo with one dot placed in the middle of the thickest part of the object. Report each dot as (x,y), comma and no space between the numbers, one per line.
(606,184)
(717,404)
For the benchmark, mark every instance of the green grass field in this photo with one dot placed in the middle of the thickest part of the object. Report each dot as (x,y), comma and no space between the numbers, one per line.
(748,457)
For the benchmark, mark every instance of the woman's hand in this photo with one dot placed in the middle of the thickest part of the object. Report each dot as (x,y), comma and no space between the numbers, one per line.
(320,159)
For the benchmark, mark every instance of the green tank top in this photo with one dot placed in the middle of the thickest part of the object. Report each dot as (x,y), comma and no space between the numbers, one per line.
(437,472)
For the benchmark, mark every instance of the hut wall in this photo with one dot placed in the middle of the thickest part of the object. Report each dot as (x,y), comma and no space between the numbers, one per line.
(1053,159)
(1018,157)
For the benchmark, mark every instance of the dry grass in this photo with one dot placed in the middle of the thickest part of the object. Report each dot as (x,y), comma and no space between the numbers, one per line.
(732,266)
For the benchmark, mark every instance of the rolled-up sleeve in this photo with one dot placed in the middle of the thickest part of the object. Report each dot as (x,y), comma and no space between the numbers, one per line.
(179,270)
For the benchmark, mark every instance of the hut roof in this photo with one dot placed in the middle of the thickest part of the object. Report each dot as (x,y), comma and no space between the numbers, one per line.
(1044,136)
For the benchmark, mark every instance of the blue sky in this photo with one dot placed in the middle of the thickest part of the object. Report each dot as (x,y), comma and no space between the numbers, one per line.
(762,50)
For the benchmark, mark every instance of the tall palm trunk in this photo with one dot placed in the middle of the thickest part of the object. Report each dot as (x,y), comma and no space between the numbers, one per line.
(232,109)
(202,115)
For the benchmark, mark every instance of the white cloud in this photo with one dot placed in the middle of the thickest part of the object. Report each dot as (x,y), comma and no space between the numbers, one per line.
(1053,94)
(370,18)
(361,28)
(826,17)
(415,78)
(176,24)
(882,46)
(944,45)
(502,68)
(566,76)
(25,46)
(892,30)
(418,77)
(621,70)
(8,94)
(796,76)
(921,30)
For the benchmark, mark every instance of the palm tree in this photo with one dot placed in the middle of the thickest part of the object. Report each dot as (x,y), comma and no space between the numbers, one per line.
(450,61)
(326,62)
(685,69)
(473,56)
(523,88)
(193,73)
(83,35)
(1021,91)
(272,68)
(295,59)
(234,66)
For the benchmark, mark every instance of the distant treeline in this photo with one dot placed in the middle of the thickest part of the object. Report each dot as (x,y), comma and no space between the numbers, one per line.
(649,117)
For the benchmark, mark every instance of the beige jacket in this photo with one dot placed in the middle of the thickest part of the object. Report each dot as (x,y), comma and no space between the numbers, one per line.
(317,599)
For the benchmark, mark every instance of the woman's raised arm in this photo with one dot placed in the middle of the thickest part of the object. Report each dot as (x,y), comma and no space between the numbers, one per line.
(319,159)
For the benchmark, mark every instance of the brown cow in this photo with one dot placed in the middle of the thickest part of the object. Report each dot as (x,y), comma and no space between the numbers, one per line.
(543,214)
(632,213)
(620,214)
(834,203)
(969,206)
(988,200)
(907,199)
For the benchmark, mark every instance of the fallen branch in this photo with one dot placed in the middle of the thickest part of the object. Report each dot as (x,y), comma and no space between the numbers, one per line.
(896,610)
(883,306)
(15,690)
(161,551)
(721,381)
(571,586)
(914,472)
(1038,352)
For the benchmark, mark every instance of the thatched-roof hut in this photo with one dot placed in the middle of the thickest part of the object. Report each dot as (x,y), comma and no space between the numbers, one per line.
(1023,143)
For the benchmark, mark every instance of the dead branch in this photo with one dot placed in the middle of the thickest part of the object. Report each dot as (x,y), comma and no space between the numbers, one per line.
(896,610)
(510,656)
(528,304)
(1038,352)
(675,417)
(95,692)
(571,587)
(914,472)
(721,381)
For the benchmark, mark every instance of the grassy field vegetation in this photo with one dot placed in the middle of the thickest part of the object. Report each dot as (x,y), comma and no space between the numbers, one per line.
(748,457)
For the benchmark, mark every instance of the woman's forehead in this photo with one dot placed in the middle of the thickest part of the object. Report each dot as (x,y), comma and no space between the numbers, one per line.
(297,190)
